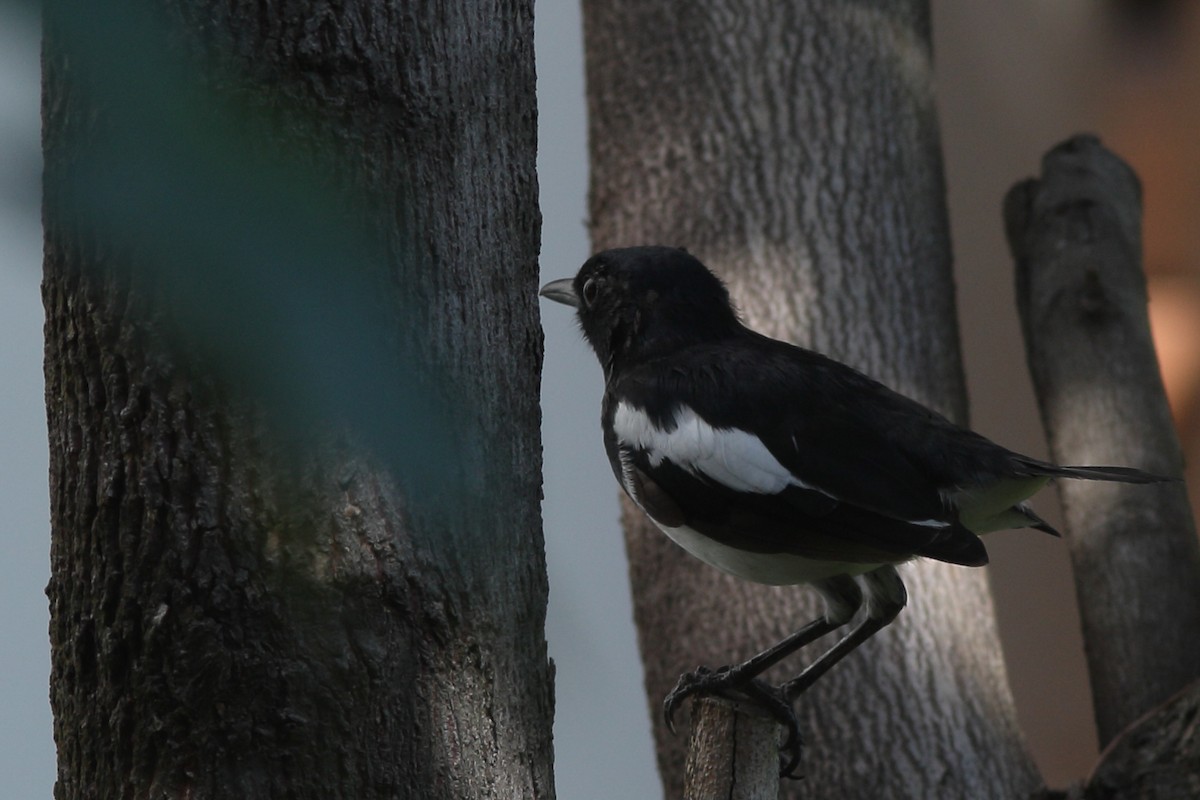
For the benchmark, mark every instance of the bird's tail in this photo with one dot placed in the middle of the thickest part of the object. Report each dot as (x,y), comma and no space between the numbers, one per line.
(1118,474)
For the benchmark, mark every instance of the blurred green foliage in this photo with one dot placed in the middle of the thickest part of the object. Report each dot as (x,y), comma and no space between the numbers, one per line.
(272,273)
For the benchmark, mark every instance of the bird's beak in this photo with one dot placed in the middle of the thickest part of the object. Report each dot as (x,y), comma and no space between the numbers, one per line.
(561,291)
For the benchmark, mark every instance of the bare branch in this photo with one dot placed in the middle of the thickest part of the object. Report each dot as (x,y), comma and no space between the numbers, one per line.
(732,755)
(1075,235)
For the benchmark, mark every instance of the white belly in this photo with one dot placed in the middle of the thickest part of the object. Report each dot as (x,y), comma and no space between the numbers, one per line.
(774,569)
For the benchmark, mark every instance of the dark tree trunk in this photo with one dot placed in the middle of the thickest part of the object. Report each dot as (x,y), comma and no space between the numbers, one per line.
(794,148)
(291,381)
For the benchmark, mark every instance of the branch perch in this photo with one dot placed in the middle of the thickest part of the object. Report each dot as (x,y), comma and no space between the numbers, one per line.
(733,753)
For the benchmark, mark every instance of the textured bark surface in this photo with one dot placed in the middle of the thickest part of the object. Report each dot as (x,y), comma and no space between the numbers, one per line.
(1076,238)
(240,608)
(732,754)
(794,148)
(1155,758)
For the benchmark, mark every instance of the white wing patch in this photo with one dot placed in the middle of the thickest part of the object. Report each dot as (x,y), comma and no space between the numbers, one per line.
(729,456)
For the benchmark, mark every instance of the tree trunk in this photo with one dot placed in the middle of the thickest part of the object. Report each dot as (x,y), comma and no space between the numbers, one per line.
(291,381)
(794,148)
(1076,238)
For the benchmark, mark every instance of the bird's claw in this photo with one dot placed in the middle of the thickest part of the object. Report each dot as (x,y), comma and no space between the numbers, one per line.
(698,680)
(724,683)
(772,700)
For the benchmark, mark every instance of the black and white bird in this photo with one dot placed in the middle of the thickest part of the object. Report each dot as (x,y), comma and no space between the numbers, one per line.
(781,466)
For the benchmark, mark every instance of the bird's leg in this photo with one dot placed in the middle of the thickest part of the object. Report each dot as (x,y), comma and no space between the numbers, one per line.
(886,597)
(740,682)
(728,681)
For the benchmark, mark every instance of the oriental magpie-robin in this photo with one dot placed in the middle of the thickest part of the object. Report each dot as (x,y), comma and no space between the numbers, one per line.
(779,465)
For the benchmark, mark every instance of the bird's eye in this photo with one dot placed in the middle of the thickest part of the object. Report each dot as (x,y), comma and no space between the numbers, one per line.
(590,290)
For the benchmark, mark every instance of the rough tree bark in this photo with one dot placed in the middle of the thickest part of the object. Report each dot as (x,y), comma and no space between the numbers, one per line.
(248,599)
(732,753)
(1075,234)
(794,148)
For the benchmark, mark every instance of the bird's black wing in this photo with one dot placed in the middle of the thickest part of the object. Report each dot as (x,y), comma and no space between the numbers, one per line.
(786,434)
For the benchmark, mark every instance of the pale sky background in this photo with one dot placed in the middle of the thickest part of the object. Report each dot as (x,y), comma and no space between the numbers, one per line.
(1009,88)
(26,746)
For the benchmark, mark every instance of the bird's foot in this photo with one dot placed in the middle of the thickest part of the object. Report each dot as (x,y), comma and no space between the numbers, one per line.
(701,680)
(774,702)
(725,682)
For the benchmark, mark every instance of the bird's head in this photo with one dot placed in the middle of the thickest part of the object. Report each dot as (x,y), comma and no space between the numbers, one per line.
(639,302)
